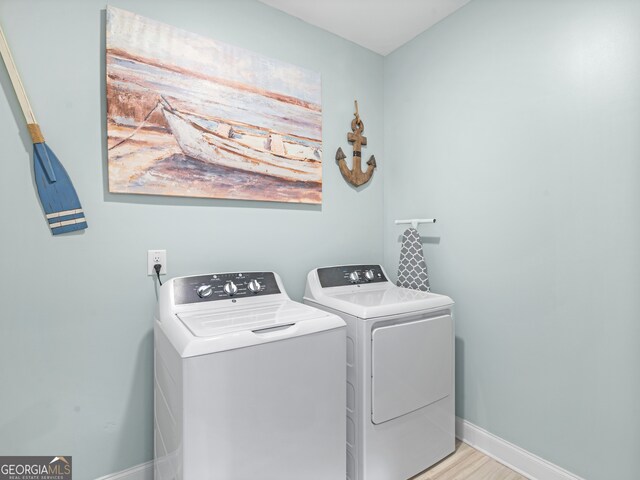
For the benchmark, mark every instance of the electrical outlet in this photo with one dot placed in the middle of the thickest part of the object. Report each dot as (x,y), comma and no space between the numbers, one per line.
(154,257)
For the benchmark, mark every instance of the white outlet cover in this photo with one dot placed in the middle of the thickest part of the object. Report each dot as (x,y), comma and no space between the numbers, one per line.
(156,256)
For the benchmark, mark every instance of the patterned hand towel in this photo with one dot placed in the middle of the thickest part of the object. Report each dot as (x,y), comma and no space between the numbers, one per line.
(412,271)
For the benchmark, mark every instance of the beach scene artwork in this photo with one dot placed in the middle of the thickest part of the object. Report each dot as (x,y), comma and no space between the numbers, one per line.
(194,117)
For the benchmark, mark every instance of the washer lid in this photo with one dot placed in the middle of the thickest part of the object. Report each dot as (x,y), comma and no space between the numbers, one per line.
(201,332)
(373,301)
(245,318)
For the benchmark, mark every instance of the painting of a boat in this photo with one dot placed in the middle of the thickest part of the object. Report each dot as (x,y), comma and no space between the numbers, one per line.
(220,144)
(191,116)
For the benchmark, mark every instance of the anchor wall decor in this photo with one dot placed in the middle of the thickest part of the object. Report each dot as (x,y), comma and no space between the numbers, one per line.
(356,176)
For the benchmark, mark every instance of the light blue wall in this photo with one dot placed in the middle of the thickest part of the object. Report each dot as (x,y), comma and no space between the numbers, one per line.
(75,328)
(516,124)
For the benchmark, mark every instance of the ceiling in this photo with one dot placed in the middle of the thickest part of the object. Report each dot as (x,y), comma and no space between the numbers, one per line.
(379,25)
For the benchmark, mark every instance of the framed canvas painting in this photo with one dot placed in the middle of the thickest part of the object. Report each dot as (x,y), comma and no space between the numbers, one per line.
(191,116)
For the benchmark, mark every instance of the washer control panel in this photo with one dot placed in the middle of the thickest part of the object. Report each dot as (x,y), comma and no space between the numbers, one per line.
(350,275)
(222,286)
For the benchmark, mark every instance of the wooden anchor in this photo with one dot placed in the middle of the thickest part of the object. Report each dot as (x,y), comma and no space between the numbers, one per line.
(356,176)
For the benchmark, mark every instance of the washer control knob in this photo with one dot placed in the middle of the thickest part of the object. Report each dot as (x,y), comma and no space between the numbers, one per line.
(354,277)
(254,286)
(369,275)
(230,288)
(204,291)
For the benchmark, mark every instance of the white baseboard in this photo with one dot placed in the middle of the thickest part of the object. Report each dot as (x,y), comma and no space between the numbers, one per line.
(139,472)
(514,457)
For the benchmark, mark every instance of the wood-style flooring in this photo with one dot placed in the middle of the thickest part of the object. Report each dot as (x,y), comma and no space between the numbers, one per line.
(466,463)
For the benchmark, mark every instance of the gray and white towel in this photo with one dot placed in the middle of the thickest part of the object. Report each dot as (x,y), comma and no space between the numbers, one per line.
(412,271)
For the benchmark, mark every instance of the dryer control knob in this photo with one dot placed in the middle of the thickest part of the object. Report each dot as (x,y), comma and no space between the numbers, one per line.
(230,288)
(204,291)
(369,275)
(254,286)
(354,277)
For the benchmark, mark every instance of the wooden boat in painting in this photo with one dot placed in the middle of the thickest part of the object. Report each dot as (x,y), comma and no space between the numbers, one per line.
(219,143)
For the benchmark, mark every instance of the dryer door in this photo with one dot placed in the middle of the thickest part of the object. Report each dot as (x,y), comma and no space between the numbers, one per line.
(412,366)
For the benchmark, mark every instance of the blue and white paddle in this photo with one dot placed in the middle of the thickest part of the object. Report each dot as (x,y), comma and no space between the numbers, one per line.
(59,199)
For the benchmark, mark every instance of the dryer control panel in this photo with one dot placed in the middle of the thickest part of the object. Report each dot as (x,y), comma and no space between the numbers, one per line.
(350,275)
(222,286)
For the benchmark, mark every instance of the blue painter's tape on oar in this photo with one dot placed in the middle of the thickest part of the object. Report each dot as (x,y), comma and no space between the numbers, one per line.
(59,199)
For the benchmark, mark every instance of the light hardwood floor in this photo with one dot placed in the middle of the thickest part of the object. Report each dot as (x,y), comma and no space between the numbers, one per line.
(466,463)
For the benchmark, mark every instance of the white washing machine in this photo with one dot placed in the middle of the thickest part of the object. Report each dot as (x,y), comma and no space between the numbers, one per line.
(248,384)
(400,370)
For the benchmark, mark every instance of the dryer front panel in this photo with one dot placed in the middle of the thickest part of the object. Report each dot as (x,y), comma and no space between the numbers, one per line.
(412,366)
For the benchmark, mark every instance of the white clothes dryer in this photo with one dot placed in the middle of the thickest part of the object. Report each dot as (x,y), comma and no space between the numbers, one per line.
(248,384)
(400,370)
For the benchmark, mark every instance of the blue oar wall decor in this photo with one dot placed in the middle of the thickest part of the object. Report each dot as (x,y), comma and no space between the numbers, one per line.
(59,199)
